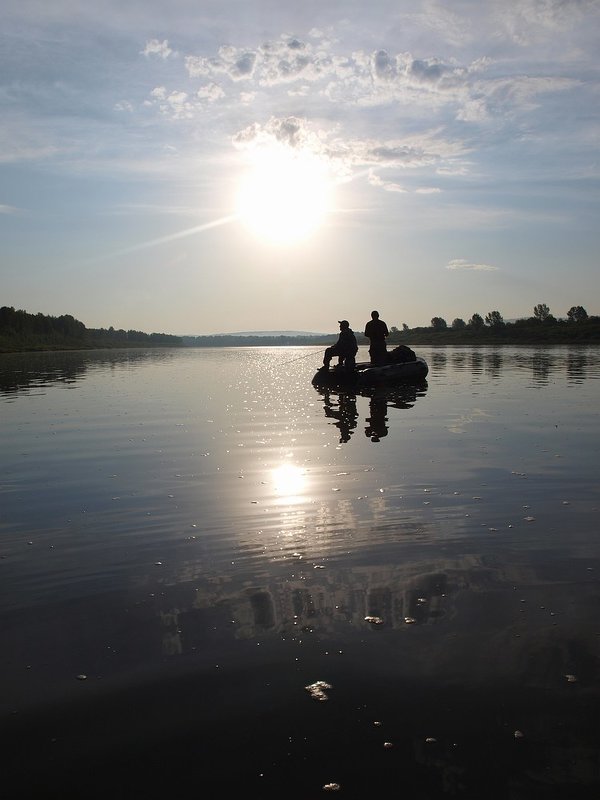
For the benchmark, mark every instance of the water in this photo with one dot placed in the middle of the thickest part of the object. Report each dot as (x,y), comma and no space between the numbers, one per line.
(202,534)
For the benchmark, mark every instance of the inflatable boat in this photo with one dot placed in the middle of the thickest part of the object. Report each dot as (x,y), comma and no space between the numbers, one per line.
(365,375)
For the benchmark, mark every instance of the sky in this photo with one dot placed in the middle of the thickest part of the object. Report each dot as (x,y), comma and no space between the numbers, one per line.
(198,167)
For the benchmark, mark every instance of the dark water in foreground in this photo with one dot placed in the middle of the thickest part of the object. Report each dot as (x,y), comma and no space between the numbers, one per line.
(190,538)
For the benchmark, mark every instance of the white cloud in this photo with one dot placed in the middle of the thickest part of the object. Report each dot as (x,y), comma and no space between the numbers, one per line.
(156,48)
(347,157)
(292,131)
(176,105)
(463,264)
(236,64)
(314,67)
(179,105)
(4,209)
(210,92)
(388,186)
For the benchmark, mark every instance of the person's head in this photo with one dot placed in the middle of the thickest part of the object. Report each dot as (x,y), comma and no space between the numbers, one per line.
(344,323)
(374,314)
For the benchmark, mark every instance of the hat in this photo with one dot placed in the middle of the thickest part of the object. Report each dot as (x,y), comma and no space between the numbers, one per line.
(344,323)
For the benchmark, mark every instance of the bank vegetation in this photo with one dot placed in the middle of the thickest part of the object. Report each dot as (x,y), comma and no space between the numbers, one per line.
(21,331)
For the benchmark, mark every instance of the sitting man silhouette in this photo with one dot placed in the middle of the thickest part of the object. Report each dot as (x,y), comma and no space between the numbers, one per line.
(345,348)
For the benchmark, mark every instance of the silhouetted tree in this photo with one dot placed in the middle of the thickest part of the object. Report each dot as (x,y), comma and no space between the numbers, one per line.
(541,312)
(577,314)
(439,324)
(458,324)
(69,326)
(394,329)
(494,319)
(476,321)
(405,327)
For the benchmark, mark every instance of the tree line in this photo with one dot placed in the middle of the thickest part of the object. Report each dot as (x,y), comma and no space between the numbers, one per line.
(21,331)
(542,326)
(494,319)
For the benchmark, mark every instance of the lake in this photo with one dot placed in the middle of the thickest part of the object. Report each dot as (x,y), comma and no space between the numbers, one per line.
(217,578)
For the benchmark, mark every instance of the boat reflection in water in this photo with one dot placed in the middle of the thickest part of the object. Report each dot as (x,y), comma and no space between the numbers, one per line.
(342,407)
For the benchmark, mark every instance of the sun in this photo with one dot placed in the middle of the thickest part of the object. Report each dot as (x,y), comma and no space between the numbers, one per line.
(285,195)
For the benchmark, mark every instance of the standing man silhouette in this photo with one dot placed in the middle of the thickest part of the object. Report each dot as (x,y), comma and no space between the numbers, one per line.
(376,332)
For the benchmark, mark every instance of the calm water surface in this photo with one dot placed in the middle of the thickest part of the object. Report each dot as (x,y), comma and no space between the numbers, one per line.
(202,534)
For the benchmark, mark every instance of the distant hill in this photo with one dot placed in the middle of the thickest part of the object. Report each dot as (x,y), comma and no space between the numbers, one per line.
(259,339)
(264,333)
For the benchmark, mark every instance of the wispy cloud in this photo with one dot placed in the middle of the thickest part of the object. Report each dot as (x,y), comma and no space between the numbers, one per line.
(4,209)
(463,264)
(349,154)
(528,21)
(441,104)
(388,186)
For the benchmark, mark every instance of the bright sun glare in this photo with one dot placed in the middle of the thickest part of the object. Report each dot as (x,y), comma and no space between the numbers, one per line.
(289,481)
(285,195)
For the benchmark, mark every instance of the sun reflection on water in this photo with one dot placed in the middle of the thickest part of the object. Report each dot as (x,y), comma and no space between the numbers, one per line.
(290,483)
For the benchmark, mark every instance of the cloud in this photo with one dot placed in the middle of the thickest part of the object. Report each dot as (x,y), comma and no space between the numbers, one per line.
(453,28)
(509,95)
(17,151)
(388,186)
(210,92)
(463,264)
(236,64)
(528,21)
(4,209)
(173,104)
(156,48)
(412,151)
(358,77)
(347,156)
(313,66)
(294,132)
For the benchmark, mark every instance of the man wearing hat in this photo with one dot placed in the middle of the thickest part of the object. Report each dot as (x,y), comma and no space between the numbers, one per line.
(345,348)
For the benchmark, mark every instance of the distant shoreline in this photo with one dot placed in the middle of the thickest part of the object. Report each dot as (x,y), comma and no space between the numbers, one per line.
(414,343)
(23,332)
